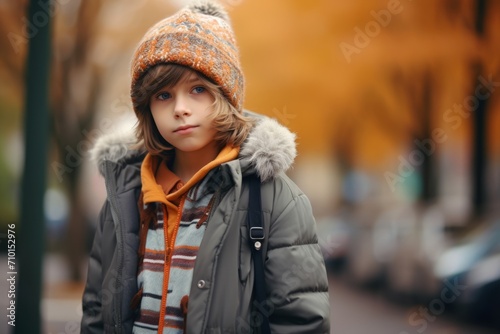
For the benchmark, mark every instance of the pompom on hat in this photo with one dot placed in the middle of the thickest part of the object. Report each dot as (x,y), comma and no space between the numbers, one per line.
(200,37)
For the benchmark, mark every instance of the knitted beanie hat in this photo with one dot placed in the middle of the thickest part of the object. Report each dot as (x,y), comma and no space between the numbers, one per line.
(200,37)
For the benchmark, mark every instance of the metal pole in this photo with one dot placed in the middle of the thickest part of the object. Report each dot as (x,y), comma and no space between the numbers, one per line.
(31,244)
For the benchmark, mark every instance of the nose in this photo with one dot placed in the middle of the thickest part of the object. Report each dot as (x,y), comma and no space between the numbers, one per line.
(181,108)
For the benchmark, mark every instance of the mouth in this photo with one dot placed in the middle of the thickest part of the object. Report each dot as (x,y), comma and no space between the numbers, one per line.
(185,128)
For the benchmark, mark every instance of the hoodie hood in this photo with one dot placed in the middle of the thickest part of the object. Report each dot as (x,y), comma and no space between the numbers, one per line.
(268,151)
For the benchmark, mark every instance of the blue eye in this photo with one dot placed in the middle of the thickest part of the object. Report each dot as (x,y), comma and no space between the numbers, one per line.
(163,96)
(199,90)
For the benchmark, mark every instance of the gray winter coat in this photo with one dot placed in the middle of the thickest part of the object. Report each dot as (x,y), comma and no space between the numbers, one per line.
(221,289)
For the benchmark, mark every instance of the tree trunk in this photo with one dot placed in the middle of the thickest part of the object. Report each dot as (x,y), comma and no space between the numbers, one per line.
(479,154)
(479,119)
(428,171)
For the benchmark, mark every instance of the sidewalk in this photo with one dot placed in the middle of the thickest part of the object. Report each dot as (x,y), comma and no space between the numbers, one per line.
(62,308)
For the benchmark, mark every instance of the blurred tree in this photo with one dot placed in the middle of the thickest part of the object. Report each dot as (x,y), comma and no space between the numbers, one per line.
(13,42)
(74,91)
(11,88)
(76,85)
(416,91)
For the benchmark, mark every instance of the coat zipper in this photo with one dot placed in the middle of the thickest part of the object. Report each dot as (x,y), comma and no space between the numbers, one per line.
(217,201)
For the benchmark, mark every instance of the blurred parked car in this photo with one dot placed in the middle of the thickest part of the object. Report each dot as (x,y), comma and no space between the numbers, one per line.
(481,302)
(334,235)
(367,251)
(474,265)
(420,240)
(396,248)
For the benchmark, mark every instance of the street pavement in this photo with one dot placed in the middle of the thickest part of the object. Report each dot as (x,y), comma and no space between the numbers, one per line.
(357,311)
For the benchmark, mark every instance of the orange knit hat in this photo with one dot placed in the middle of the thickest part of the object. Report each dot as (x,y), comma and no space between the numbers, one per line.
(200,37)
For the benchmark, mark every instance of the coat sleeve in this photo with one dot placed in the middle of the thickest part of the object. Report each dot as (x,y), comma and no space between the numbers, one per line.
(91,302)
(296,280)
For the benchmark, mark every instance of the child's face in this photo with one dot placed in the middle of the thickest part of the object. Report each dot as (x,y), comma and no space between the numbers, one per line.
(180,113)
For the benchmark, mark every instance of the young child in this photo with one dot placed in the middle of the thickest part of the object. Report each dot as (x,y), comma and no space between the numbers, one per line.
(171,252)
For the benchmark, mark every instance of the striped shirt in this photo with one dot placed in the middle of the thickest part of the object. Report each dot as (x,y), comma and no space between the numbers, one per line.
(158,263)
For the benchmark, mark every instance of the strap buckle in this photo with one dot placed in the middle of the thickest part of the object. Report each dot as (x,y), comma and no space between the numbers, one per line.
(256,233)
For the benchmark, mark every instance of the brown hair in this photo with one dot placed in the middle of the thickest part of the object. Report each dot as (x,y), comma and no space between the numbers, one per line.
(231,126)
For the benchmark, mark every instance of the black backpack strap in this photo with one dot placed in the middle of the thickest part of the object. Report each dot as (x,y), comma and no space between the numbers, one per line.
(256,236)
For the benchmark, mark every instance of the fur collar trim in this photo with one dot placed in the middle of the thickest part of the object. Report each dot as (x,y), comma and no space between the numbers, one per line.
(269,149)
